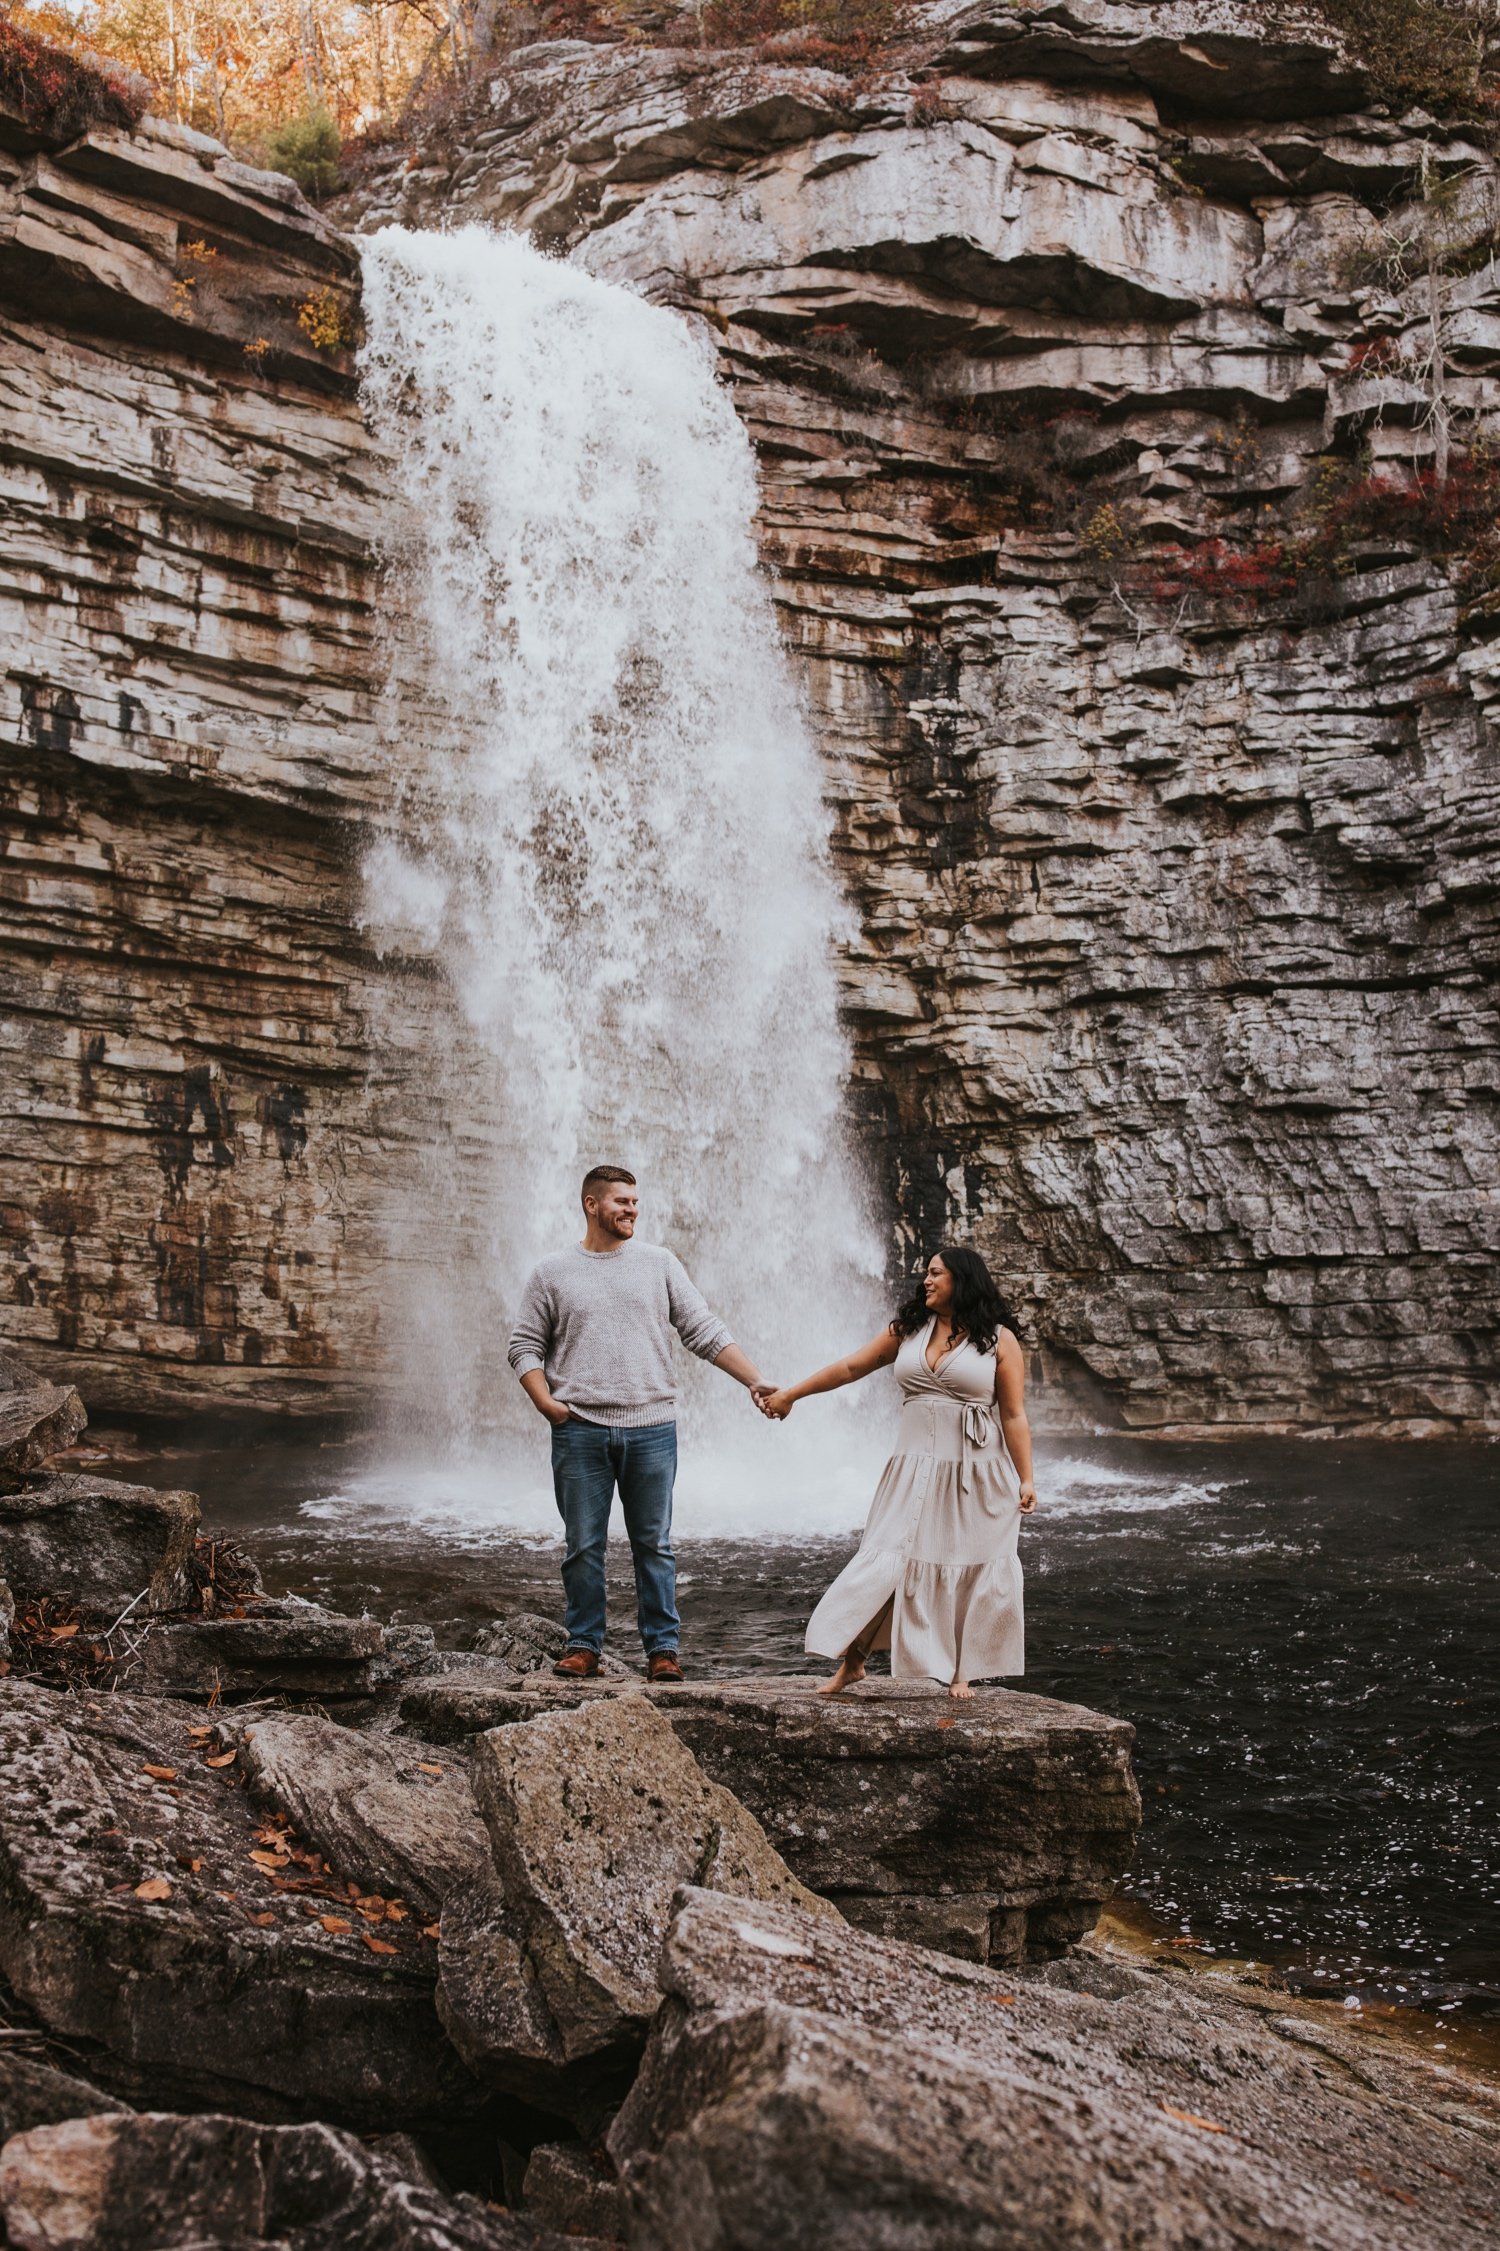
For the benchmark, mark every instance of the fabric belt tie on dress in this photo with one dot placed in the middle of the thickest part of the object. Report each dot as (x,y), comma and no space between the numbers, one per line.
(978,1428)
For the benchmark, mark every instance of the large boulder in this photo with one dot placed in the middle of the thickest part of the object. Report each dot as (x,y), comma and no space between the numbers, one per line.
(37,1420)
(810,2086)
(992,1831)
(397,1816)
(595,1817)
(98,1543)
(164,2183)
(147,1907)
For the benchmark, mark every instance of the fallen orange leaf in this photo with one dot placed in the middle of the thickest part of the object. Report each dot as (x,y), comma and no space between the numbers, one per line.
(161,1773)
(154,1887)
(370,1903)
(377,1945)
(225,1758)
(264,1921)
(423,1767)
(1003,2000)
(395,1912)
(947,1723)
(335,1923)
(1191,2118)
(63,1633)
(432,1930)
(199,1734)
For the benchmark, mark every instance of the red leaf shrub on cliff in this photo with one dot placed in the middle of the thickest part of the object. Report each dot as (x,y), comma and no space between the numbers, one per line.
(64,95)
(1456,516)
(1374,355)
(1222,573)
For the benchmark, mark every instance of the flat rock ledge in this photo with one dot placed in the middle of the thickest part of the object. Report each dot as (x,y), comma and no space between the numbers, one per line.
(992,1830)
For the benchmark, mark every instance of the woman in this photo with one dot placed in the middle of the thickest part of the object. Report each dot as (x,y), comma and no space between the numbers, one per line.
(937,1579)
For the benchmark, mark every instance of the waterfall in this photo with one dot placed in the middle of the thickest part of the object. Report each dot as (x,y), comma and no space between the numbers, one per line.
(608,892)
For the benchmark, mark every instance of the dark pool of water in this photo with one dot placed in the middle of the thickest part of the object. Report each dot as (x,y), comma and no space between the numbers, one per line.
(1302,1635)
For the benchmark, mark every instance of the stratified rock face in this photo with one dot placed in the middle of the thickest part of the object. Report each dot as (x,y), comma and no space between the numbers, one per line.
(185,696)
(1174,984)
(992,1832)
(1176,875)
(811,2086)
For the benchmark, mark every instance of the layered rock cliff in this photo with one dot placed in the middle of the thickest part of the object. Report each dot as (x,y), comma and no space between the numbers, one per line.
(1083,348)
(185,602)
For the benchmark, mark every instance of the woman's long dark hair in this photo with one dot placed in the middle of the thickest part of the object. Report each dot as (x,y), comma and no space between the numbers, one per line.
(979,1311)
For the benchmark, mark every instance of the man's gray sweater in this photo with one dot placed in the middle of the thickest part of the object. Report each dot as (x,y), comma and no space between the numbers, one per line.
(600,1322)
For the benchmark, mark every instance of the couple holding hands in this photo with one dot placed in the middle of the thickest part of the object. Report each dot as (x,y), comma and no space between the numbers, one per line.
(936,1579)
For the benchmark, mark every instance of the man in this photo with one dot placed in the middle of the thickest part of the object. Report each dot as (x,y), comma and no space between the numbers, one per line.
(592,1346)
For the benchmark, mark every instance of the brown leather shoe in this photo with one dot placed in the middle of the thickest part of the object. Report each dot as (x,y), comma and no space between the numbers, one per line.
(662,1665)
(578,1664)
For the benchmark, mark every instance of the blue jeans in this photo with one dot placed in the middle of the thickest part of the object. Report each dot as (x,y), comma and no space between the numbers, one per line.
(588,1461)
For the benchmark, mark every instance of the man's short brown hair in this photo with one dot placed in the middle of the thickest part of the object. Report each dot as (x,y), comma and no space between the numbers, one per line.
(593,1181)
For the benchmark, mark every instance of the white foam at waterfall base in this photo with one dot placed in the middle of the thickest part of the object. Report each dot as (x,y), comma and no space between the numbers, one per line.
(605,904)
(757,1490)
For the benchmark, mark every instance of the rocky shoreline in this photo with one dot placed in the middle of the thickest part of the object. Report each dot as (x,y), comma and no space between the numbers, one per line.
(312,1935)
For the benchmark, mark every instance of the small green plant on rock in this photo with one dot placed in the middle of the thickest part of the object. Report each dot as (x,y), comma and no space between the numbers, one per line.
(308,150)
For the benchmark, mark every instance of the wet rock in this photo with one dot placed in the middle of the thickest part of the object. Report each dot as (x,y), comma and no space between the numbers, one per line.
(595,1817)
(396,1816)
(164,2183)
(282,1646)
(574,2189)
(528,1643)
(37,1419)
(97,1542)
(812,2086)
(993,1832)
(33,2093)
(147,1907)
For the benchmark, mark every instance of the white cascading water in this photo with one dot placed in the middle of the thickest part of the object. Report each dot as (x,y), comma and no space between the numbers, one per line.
(613,855)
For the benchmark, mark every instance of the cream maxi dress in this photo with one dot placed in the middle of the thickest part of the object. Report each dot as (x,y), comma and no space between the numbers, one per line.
(940,1539)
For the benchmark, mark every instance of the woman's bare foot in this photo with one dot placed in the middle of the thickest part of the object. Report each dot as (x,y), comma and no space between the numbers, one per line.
(850,1670)
(961,1690)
